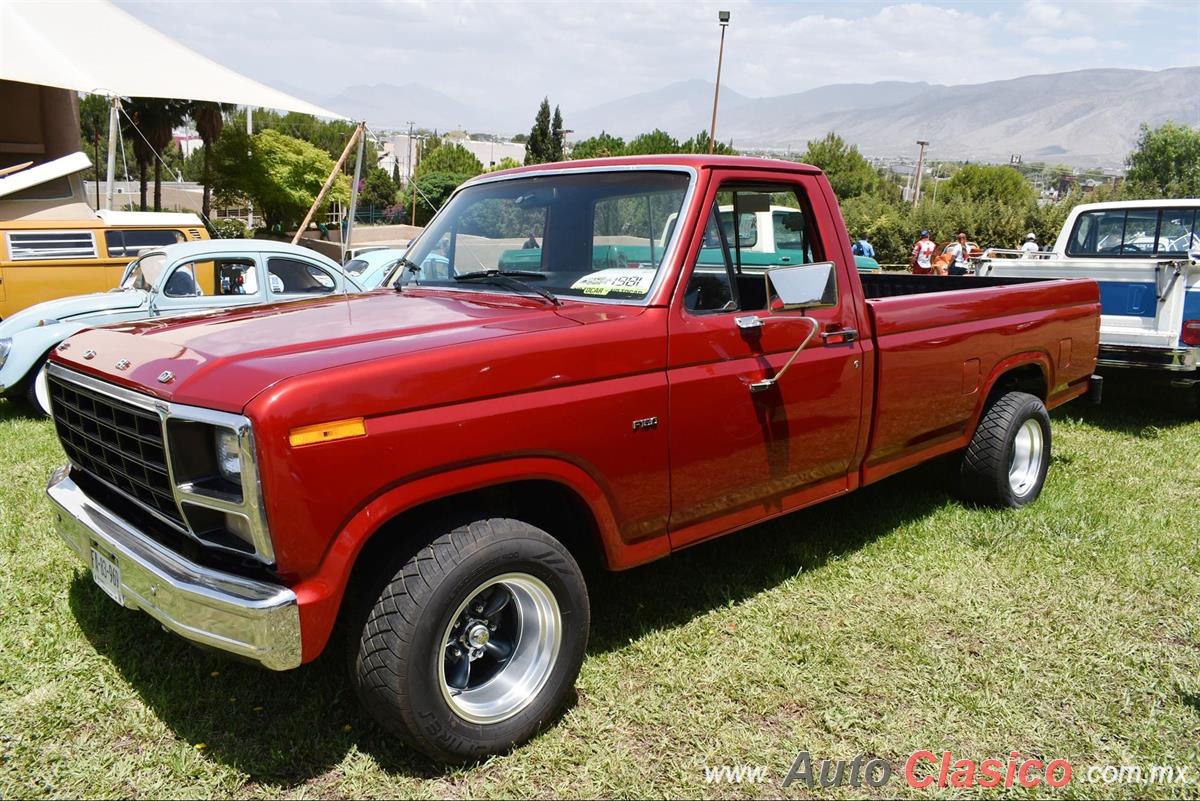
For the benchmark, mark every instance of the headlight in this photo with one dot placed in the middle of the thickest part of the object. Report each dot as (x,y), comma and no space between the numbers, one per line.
(229,456)
(5,347)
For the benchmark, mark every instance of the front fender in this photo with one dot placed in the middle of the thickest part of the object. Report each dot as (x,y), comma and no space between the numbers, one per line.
(320,595)
(30,346)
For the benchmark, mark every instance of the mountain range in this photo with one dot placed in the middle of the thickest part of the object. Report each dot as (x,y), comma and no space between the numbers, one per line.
(1081,118)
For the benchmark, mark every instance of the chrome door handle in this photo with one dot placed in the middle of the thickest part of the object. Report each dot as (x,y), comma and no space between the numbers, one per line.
(840,336)
(748,321)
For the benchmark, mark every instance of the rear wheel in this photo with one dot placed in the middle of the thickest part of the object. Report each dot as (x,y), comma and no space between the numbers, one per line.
(1005,464)
(474,643)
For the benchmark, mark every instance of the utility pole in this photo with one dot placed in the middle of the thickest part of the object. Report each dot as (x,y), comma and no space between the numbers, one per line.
(723,17)
(920,168)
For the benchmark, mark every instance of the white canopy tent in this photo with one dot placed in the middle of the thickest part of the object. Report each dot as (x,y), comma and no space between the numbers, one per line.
(71,46)
(55,44)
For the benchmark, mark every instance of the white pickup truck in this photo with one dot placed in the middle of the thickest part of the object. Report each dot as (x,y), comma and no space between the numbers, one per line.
(1146,256)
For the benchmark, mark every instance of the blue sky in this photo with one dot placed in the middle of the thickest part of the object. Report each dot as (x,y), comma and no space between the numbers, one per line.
(585,53)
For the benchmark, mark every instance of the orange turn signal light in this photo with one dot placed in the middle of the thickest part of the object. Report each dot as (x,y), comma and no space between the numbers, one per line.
(327,432)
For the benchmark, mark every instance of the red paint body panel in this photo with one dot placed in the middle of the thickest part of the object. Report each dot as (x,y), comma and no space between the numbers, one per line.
(462,390)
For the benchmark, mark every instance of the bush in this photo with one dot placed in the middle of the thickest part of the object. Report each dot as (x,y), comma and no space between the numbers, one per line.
(228,228)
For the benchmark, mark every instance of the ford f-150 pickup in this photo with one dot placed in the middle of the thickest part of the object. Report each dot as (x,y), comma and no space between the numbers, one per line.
(428,465)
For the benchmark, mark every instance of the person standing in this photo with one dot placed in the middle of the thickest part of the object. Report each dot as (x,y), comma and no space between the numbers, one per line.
(922,255)
(863,248)
(1029,246)
(961,254)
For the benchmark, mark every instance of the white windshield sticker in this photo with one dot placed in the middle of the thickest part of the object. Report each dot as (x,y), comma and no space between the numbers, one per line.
(616,280)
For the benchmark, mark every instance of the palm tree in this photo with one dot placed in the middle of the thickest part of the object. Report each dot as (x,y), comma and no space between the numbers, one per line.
(210,119)
(154,120)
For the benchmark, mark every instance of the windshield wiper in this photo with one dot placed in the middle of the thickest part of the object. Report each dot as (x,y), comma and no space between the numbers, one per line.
(409,265)
(511,278)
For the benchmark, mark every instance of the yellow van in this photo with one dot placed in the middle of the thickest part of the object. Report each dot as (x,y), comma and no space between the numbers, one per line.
(53,244)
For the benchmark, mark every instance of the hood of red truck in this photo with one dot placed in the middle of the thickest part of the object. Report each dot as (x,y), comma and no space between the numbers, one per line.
(223,360)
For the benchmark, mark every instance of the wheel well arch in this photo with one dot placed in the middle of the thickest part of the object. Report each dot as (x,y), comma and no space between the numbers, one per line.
(1028,377)
(550,505)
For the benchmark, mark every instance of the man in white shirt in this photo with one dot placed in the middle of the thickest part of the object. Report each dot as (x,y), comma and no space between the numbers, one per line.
(922,255)
(961,254)
(1030,246)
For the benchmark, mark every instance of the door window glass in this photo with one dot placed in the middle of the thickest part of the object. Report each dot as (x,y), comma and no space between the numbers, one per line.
(133,242)
(295,277)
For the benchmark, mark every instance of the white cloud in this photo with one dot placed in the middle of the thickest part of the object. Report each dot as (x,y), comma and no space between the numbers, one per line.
(510,54)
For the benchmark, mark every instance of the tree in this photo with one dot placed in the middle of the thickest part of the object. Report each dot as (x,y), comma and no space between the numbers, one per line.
(980,183)
(281,174)
(93,127)
(557,137)
(849,173)
(699,144)
(378,189)
(540,145)
(450,158)
(154,122)
(650,143)
(1167,160)
(598,147)
(210,119)
(506,163)
(433,189)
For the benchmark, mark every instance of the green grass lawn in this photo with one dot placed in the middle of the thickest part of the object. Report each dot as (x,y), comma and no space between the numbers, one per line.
(889,621)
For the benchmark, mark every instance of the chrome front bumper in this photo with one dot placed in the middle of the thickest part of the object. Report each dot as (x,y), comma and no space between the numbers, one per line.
(253,619)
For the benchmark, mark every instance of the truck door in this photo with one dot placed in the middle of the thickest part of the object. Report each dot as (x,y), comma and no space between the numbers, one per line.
(738,456)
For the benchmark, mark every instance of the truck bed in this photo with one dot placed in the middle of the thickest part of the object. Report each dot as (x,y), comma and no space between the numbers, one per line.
(890,285)
(940,340)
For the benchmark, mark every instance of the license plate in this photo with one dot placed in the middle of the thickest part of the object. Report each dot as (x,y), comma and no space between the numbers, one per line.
(107,575)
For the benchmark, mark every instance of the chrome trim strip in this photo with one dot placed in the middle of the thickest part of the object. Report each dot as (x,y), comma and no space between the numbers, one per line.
(254,619)
(252,507)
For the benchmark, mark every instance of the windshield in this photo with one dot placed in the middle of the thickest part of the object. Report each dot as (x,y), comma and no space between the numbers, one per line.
(356,266)
(593,234)
(144,273)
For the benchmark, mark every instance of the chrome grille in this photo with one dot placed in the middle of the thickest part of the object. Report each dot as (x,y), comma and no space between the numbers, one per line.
(117,443)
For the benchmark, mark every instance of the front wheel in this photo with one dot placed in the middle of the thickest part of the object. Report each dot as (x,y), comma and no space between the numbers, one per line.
(1005,464)
(37,390)
(474,643)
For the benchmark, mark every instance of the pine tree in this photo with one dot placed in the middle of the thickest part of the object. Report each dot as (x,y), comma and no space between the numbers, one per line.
(557,137)
(538,148)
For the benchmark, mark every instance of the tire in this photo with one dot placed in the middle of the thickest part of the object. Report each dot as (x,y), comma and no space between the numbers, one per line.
(1006,462)
(36,392)
(422,660)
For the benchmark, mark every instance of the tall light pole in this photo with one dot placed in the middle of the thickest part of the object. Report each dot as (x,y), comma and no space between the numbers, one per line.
(920,169)
(723,17)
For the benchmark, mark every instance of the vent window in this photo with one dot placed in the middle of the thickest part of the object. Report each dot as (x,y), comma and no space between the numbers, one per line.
(51,245)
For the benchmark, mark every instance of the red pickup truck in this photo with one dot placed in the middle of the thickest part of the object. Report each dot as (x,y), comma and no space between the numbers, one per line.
(428,464)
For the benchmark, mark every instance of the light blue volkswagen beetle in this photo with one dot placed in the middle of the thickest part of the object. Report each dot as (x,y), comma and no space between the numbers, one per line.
(188,278)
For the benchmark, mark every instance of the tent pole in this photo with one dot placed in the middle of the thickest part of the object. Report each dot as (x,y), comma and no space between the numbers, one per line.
(113,120)
(250,203)
(354,191)
(328,183)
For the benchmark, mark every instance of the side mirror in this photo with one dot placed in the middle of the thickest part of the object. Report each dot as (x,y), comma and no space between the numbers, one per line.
(802,286)
(798,286)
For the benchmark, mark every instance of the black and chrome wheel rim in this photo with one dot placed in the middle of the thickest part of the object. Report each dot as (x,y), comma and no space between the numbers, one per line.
(500,648)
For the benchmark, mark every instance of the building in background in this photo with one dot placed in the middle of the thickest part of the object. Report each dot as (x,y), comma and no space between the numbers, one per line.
(396,150)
